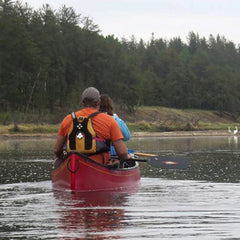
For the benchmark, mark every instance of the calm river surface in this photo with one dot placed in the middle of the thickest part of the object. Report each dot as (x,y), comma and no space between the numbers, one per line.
(201,202)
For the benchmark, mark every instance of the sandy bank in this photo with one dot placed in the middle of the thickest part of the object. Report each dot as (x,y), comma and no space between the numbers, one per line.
(27,135)
(182,133)
(134,134)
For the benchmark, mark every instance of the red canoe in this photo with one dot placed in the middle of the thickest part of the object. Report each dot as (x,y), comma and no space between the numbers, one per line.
(80,173)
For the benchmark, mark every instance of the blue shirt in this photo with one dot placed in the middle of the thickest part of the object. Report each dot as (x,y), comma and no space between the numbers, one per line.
(125,132)
(124,128)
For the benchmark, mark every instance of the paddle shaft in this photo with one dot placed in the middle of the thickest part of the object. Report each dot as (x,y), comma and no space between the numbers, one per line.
(168,162)
(145,154)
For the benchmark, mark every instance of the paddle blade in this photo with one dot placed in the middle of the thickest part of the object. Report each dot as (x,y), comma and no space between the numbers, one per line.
(169,162)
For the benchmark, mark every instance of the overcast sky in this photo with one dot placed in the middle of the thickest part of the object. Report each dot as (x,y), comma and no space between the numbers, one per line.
(164,18)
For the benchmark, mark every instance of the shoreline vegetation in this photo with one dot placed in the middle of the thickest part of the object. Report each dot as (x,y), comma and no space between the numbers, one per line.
(134,134)
(143,122)
(49,56)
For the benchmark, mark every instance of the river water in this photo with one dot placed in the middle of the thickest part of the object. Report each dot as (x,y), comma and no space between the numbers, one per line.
(201,202)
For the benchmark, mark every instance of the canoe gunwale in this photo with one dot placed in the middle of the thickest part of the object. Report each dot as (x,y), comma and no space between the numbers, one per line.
(88,159)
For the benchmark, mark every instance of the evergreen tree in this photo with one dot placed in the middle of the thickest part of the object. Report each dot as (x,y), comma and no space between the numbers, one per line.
(48,57)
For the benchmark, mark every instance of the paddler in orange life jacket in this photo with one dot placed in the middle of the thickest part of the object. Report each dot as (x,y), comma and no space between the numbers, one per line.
(76,130)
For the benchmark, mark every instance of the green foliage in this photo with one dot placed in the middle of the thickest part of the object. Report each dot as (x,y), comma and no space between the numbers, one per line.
(141,126)
(5,118)
(48,57)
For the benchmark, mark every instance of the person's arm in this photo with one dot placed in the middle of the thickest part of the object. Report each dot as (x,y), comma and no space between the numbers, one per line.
(58,148)
(121,149)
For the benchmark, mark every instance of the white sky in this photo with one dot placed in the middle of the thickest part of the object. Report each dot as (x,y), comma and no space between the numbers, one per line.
(164,18)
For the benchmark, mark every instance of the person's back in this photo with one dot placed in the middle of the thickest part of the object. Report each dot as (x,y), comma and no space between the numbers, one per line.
(105,127)
(123,126)
(102,125)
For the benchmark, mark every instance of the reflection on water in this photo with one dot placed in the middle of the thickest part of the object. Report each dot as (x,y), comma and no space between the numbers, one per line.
(92,212)
(211,158)
(161,209)
(185,144)
(210,166)
(25,148)
(23,160)
(201,202)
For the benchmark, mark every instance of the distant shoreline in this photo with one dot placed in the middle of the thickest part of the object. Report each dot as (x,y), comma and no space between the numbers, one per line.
(134,134)
(183,133)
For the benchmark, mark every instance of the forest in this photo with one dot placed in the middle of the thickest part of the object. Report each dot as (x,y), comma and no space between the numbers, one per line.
(47,57)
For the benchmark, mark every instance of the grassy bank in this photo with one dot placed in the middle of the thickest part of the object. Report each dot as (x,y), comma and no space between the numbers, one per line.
(158,119)
(28,128)
(149,119)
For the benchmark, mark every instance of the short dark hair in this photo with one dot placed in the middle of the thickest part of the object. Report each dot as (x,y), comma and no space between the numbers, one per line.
(89,102)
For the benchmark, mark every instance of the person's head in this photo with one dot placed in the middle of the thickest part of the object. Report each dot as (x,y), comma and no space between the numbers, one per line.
(91,97)
(106,104)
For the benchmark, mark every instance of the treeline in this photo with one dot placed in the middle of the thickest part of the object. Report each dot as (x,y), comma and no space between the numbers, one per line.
(48,57)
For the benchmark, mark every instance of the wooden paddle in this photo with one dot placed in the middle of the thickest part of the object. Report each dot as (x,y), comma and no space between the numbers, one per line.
(168,162)
(145,154)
